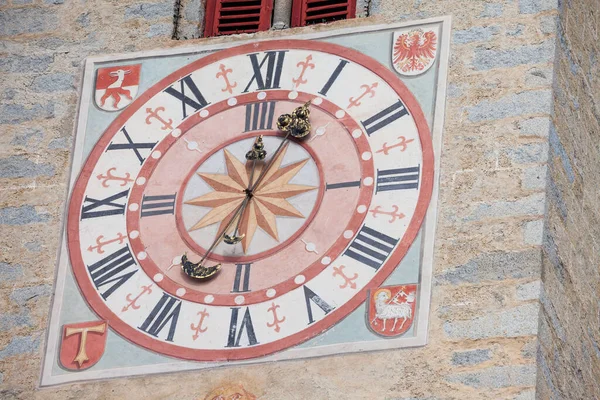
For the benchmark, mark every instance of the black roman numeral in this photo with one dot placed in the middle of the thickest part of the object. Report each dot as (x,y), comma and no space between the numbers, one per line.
(107,206)
(157,205)
(259,116)
(371,247)
(113,270)
(333,77)
(385,117)
(233,339)
(398,179)
(196,103)
(311,296)
(270,80)
(166,310)
(341,185)
(242,278)
(131,146)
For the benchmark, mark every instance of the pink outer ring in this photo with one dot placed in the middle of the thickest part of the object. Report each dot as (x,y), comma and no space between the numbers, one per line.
(96,302)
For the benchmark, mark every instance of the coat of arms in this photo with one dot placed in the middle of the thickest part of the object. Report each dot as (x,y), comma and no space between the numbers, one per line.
(116,87)
(82,344)
(414,50)
(391,309)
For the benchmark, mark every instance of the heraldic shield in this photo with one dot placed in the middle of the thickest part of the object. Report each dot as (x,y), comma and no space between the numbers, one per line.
(391,309)
(116,87)
(414,50)
(83,344)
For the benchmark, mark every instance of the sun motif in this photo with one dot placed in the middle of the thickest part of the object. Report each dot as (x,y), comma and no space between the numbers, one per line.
(269,198)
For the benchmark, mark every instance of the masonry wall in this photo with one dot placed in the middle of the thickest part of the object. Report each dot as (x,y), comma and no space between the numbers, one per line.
(482,340)
(569,358)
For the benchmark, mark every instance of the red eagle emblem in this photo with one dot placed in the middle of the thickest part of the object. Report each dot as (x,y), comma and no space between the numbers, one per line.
(414,51)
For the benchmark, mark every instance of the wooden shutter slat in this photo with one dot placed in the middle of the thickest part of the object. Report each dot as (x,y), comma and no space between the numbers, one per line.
(327,7)
(322,16)
(234,24)
(248,8)
(254,17)
(308,12)
(225,17)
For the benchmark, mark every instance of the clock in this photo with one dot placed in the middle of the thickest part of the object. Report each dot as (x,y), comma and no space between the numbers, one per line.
(170,177)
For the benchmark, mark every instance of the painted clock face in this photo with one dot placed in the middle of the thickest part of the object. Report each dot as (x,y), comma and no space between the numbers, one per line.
(169,174)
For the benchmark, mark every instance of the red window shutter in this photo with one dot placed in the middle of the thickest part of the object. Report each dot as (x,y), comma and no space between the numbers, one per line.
(309,12)
(226,17)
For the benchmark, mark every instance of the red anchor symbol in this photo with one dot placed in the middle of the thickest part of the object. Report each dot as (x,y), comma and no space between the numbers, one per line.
(154,114)
(403,142)
(276,320)
(110,177)
(305,65)
(100,244)
(394,213)
(223,74)
(348,281)
(198,329)
(132,302)
(367,90)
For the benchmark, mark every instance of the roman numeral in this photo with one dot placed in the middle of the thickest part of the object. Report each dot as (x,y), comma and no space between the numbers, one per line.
(164,312)
(341,185)
(312,297)
(233,339)
(107,206)
(195,103)
(398,179)
(274,65)
(157,205)
(333,77)
(370,247)
(131,146)
(385,117)
(259,116)
(113,270)
(242,277)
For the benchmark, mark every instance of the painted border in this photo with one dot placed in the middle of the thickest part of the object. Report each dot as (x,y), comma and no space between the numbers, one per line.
(49,350)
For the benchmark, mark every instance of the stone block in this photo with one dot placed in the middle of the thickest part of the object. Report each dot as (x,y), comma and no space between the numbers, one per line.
(20,345)
(21,63)
(488,58)
(21,167)
(59,143)
(30,137)
(537,126)
(539,77)
(160,30)
(475,34)
(533,232)
(492,10)
(528,153)
(559,150)
(22,215)
(548,24)
(17,113)
(536,6)
(22,295)
(515,30)
(526,395)
(497,377)
(10,272)
(53,83)
(494,267)
(512,322)
(10,321)
(471,357)
(529,291)
(150,11)
(513,105)
(534,178)
(27,20)
(530,205)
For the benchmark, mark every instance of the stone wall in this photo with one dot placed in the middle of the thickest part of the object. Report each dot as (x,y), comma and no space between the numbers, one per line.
(569,357)
(482,340)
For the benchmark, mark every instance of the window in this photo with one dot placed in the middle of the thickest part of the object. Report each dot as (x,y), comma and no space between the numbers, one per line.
(309,12)
(226,17)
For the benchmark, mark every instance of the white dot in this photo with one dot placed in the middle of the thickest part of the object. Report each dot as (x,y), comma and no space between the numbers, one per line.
(133,207)
(180,292)
(311,247)
(316,101)
(321,131)
(361,209)
(209,298)
(261,95)
(141,180)
(158,277)
(299,279)
(156,154)
(232,101)
(368,181)
(325,260)
(176,260)
(340,114)
(366,155)
(271,293)
(293,94)
(141,255)
(192,145)
(239,300)
(134,234)
(348,234)
(204,113)
(176,132)
(356,133)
